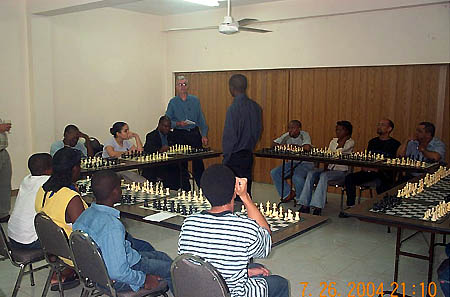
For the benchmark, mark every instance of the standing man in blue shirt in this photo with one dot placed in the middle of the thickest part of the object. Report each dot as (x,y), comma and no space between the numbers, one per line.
(423,146)
(132,263)
(242,130)
(188,122)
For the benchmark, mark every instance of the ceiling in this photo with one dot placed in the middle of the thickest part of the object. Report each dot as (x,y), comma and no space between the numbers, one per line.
(169,7)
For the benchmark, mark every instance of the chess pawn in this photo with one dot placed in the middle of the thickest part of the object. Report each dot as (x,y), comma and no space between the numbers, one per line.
(434,216)
(399,193)
(297,216)
(183,195)
(167,191)
(242,208)
(285,216)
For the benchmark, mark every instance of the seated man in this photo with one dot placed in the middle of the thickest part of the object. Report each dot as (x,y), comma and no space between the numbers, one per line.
(344,143)
(383,144)
(132,264)
(230,241)
(423,146)
(21,232)
(72,139)
(296,137)
(158,141)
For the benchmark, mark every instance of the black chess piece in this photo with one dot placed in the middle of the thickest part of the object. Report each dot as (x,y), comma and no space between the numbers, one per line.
(183,210)
(145,202)
(178,208)
(154,204)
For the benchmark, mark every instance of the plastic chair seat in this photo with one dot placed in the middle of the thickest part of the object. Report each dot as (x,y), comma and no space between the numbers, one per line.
(27,256)
(143,292)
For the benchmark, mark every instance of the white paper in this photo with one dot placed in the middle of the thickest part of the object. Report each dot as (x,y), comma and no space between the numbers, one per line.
(158,217)
(189,122)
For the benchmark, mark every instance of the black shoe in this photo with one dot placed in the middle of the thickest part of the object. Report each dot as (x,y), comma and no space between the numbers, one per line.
(317,211)
(304,209)
(5,219)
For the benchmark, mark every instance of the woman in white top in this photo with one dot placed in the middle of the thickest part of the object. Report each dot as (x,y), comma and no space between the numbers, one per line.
(120,143)
(342,142)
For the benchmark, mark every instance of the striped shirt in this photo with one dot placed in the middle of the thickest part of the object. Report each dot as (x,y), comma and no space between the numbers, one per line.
(228,242)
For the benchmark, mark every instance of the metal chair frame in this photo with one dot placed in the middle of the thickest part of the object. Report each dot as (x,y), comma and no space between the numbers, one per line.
(83,247)
(8,253)
(216,276)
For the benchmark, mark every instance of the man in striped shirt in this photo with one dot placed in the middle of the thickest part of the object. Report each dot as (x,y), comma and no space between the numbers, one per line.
(229,241)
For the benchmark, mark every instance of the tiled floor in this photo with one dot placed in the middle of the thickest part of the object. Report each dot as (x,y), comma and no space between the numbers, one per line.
(340,251)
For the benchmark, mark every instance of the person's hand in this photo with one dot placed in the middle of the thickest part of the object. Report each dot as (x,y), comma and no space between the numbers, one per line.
(307,147)
(422,147)
(5,127)
(83,135)
(151,281)
(205,141)
(240,187)
(262,271)
(132,134)
(181,123)
(164,148)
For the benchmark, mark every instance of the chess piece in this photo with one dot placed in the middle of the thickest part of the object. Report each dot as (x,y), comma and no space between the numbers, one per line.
(297,216)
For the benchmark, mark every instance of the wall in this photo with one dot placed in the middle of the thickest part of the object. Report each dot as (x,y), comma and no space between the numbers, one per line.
(14,94)
(106,66)
(418,35)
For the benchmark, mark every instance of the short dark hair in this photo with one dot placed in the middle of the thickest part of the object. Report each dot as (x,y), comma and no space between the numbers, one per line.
(391,124)
(116,128)
(103,183)
(218,182)
(238,82)
(70,128)
(346,125)
(296,122)
(39,163)
(163,118)
(429,128)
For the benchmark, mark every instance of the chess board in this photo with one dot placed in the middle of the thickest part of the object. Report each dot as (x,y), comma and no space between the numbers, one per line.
(409,210)
(433,197)
(182,207)
(130,197)
(275,224)
(91,163)
(442,186)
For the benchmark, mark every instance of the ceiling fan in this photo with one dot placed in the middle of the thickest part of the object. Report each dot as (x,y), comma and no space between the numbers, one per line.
(229,26)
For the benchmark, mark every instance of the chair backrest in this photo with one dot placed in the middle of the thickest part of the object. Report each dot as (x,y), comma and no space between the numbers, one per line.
(89,262)
(96,145)
(192,277)
(52,237)
(5,249)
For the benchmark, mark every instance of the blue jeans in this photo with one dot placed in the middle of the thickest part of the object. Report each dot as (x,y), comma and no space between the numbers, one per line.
(444,276)
(30,246)
(318,199)
(278,286)
(298,177)
(152,262)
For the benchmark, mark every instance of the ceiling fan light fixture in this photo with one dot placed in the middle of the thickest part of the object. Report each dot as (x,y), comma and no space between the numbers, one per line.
(204,2)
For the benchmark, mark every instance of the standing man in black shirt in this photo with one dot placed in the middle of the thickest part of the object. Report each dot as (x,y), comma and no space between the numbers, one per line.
(243,126)
(383,144)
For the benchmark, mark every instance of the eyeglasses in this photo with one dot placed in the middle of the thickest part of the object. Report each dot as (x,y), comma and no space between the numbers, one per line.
(182,84)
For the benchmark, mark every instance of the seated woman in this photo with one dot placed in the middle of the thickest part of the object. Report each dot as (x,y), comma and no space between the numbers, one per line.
(59,199)
(342,142)
(119,144)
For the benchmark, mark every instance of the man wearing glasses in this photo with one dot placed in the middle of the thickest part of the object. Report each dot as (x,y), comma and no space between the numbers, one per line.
(188,122)
(383,144)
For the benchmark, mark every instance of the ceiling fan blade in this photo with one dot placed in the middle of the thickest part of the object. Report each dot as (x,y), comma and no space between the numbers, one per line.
(246,21)
(191,29)
(253,30)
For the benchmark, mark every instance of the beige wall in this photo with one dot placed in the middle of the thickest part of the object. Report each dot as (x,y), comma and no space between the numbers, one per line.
(107,66)
(14,86)
(403,36)
(95,67)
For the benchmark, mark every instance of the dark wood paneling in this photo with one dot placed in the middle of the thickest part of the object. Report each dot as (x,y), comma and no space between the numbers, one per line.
(319,97)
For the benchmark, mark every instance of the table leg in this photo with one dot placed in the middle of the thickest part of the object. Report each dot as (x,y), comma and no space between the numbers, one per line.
(431,257)
(282,180)
(397,252)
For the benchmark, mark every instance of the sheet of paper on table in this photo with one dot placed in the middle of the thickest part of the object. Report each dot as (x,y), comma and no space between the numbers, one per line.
(158,217)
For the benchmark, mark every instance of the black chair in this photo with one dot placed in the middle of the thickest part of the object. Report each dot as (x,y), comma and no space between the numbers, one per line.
(21,258)
(55,246)
(193,277)
(92,270)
